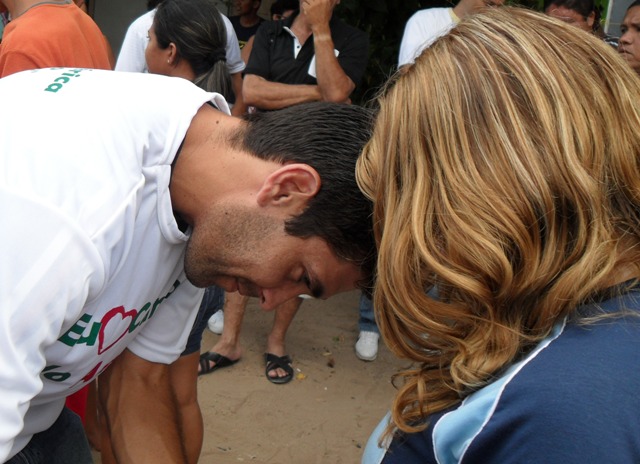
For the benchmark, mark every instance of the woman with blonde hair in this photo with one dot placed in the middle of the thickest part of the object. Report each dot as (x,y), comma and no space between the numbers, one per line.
(505,175)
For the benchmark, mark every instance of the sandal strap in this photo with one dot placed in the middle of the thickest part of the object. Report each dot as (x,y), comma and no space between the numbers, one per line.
(275,362)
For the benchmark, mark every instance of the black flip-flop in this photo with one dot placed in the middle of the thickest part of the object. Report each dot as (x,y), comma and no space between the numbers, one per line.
(220,361)
(275,362)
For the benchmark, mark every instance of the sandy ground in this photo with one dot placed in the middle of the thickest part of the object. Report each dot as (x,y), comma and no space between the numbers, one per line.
(325,415)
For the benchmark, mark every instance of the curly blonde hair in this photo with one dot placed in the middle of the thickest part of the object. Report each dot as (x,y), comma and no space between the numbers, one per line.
(504,172)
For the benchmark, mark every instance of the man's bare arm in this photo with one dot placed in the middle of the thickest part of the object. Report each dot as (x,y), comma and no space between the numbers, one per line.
(141,411)
(333,82)
(239,107)
(268,95)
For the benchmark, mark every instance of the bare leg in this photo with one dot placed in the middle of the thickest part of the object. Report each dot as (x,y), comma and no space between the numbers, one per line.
(184,379)
(283,316)
(229,343)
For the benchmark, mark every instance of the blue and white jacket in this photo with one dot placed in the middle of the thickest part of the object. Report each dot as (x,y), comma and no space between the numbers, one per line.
(575,399)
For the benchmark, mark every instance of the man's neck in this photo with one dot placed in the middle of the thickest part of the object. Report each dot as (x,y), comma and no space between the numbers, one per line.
(301,28)
(250,19)
(210,168)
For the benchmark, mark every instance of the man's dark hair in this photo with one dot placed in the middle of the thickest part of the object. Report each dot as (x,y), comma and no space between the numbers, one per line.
(583,7)
(635,3)
(328,137)
(280,6)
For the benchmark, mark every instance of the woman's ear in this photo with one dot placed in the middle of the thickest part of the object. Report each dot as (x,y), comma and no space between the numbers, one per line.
(172,54)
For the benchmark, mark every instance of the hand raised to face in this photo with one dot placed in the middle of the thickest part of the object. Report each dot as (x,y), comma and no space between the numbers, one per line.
(318,12)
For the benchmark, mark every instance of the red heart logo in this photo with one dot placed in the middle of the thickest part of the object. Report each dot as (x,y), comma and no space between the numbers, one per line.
(105,321)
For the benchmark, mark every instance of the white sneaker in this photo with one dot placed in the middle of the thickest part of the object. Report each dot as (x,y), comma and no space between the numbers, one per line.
(367,346)
(216,322)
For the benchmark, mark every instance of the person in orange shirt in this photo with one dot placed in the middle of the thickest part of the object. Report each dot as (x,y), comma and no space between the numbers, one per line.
(54,33)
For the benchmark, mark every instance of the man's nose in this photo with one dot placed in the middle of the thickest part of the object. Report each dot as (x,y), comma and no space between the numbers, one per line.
(624,38)
(273,297)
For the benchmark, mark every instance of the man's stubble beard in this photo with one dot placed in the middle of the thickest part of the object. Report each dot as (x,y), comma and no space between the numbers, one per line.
(228,239)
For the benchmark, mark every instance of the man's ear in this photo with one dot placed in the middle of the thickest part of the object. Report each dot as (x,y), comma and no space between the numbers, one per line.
(591,19)
(290,186)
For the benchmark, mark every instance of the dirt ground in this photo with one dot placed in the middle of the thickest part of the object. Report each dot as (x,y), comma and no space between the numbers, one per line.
(325,415)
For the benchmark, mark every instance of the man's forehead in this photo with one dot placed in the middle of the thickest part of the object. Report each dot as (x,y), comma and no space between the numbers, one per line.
(632,16)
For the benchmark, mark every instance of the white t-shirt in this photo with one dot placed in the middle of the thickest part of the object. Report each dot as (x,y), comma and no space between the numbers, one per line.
(422,29)
(92,257)
(131,56)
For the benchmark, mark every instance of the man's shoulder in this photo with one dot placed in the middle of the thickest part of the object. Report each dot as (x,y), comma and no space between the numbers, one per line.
(143,22)
(271,29)
(35,19)
(340,27)
(51,22)
(336,23)
(39,26)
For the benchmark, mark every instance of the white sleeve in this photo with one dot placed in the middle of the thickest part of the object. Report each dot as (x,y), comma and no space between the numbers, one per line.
(422,29)
(131,57)
(48,269)
(160,340)
(412,39)
(234,60)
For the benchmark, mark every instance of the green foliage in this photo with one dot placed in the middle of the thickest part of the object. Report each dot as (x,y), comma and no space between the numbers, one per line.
(384,21)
